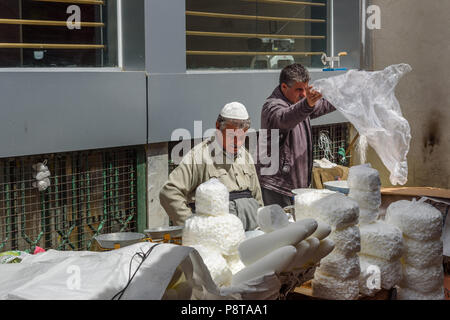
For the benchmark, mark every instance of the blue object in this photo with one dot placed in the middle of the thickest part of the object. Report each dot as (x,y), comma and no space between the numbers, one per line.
(335,69)
(339,186)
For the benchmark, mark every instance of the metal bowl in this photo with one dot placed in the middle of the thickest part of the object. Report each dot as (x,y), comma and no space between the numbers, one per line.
(339,186)
(121,239)
(159,232)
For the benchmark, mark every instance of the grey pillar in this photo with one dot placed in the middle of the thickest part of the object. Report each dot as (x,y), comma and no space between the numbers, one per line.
(157,173)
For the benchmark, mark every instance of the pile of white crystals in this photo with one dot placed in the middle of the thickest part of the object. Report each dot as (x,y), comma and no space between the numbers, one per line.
(423,272)
(214,232)
(337,277)
(381,243)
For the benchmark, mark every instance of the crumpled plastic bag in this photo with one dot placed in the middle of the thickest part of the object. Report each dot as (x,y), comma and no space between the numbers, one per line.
(367,100)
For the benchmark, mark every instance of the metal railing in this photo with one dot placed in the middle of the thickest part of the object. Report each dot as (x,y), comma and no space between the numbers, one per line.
(91,192)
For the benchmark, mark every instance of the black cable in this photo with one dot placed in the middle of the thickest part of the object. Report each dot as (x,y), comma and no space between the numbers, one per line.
(143,256)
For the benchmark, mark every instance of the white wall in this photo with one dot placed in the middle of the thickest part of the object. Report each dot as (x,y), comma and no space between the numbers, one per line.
(417,32)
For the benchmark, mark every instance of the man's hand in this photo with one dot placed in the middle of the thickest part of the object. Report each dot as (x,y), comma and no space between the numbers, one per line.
(312,96)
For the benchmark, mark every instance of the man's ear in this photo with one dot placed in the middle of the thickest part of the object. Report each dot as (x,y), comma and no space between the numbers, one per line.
(217,125)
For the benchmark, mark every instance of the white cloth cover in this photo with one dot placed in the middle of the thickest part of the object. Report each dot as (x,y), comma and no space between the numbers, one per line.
(47,276)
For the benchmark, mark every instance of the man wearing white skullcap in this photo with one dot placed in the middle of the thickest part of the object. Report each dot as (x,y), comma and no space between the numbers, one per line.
(224,157)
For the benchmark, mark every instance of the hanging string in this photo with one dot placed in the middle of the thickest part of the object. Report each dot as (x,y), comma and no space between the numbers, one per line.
(325,145)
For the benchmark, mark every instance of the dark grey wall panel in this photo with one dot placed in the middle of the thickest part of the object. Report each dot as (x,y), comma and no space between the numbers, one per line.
(177,100)
(133,37)
(165,36)
(347,32)
(46,112)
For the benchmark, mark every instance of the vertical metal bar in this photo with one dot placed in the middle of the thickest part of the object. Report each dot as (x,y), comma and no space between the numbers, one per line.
(110,189)
(23,204)
(64,198)
(21,32)
(116,190)
(105,193)
(14,242)
(74,195)
(81,234)
(88,204)
(8,207)
(141,168)
(57,207)
(131,166)
(102,51)
(42,218)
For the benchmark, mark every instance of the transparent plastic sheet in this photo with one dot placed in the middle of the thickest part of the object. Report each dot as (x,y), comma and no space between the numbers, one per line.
(367,100)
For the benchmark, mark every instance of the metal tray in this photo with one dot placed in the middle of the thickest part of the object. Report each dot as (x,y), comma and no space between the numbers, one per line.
(159,232)
(122,239)
(339,186)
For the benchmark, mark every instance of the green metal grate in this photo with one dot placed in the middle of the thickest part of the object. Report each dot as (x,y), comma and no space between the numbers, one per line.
(338,135)
(91,192)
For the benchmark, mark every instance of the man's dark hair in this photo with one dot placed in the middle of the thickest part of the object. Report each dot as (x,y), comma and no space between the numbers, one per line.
(294,73)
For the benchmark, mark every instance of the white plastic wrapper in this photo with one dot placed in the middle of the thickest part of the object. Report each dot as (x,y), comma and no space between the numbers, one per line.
(367,100)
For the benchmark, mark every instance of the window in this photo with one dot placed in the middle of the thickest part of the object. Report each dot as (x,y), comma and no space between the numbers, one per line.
(255,34)
(34,33)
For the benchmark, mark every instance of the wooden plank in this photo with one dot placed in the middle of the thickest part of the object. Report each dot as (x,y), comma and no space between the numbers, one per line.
(247,17)
(49,46)
(48,23)
(298,3)
(417,192)
(306,290)
(97,2)
(250,53)
(250,35)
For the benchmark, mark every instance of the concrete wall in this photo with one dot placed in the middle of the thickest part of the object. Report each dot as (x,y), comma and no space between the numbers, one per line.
(417,32)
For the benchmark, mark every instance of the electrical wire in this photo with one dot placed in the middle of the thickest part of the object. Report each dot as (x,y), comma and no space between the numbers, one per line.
(143,256)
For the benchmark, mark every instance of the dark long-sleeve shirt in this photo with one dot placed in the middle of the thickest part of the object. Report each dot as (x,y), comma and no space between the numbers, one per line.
(295,145)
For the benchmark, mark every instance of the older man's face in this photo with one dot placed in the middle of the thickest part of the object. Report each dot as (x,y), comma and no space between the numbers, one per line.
(232,138)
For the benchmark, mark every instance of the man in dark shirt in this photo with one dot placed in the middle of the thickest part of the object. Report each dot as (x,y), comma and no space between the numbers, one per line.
(289,108)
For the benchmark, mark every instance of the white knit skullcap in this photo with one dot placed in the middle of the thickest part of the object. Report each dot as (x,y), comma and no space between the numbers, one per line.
(234,110)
